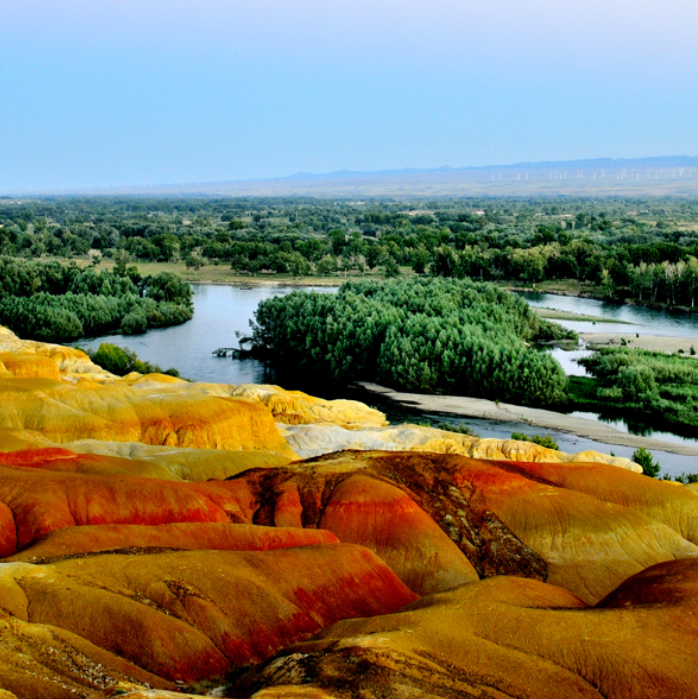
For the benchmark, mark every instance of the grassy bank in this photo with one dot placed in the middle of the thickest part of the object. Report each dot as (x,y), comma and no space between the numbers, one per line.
(651,388)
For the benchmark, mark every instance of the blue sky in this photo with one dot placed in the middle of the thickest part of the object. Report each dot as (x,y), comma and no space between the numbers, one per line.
(97,93)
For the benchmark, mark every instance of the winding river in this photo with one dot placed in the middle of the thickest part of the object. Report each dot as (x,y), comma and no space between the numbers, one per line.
(221,311)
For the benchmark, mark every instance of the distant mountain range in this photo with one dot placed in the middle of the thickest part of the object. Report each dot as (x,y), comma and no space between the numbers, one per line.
(675,175)
(670,161)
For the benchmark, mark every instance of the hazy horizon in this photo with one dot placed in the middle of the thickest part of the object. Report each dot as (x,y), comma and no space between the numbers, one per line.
(125,93)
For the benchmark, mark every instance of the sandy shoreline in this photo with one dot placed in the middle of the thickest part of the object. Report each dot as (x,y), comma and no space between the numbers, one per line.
(654,343)
(547,419)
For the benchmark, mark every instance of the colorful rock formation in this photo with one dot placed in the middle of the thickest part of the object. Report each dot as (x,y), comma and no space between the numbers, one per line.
(505,637)
(51,395)
(159,536)
(309,440)
(507,519)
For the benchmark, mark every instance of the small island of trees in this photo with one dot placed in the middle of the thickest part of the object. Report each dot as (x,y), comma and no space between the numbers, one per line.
(445,335)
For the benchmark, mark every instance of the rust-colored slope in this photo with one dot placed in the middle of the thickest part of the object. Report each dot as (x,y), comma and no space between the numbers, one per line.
(507,637)
(77,541)
(504,518)
(8,532)
(189,615)
(63,460)
(45,662)
(42,501)
(435,519)
(358,509)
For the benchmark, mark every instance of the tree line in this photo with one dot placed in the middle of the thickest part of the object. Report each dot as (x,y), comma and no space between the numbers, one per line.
(55,302)
(657,389)
(646,249)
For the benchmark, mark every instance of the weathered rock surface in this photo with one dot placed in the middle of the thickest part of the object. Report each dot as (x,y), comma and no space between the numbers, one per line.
(298,408)
(505,637)
(168,414)
(309,440)
(190,615)
(176,463)
(131,566)
(42,501)
(506,518)
(47,662)
(71,363)
(137,538)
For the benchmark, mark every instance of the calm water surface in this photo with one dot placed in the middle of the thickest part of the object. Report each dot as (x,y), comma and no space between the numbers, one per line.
(219,311)
(640,320)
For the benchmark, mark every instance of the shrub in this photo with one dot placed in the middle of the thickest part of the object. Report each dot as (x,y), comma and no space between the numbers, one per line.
(546,441)
(645,459)
(122,361)
(134,323)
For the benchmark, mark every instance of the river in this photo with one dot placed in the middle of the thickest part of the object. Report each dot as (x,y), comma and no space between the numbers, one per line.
(635,319)
(220,311)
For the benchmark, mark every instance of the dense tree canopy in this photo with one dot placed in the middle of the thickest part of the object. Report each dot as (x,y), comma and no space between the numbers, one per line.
(658,388)
(617,247)
(447,335)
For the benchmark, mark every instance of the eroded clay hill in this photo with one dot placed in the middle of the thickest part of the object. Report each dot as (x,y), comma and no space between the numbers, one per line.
(159,536)
(505,638)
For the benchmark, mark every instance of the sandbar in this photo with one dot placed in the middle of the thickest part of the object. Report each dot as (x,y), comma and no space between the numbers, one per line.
(547,419)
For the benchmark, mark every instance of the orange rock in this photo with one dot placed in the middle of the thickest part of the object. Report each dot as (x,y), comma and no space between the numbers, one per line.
(8,532)
(506,637)
(380,516)
(660,500)
(66,461)
(189,615)
(358,510)
(42,501)
(505,518)
(47,662)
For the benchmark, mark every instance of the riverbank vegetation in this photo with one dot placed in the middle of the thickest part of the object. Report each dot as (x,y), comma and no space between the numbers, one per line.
(440,335)
(61,302)
(547,441)
(645,250)
(655,388)
(122,361)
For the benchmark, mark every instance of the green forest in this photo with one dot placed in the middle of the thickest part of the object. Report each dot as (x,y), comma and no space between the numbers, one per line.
(614,248)
(51,301)
(433,335)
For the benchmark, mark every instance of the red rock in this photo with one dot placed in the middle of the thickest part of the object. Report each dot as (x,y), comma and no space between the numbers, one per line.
(506,637)
(42,501)
(77,541)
